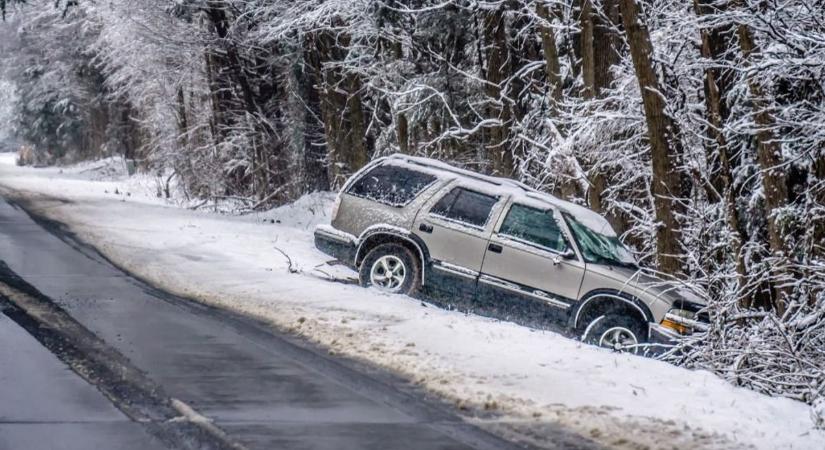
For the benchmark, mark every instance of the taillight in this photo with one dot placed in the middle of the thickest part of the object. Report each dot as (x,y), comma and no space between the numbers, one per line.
(335,206)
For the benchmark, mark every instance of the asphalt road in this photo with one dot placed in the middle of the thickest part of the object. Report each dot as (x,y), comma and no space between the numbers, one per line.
(261,388)
(45,405)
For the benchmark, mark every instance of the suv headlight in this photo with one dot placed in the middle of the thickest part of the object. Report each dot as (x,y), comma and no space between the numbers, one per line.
(682,321)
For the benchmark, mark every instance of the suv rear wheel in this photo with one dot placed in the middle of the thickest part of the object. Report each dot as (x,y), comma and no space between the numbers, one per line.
(617,332)
(391,268)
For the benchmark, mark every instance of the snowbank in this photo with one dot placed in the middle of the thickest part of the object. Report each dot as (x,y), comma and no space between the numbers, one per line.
(522,379)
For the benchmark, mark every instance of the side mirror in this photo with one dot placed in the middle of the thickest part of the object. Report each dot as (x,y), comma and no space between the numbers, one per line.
(567,254)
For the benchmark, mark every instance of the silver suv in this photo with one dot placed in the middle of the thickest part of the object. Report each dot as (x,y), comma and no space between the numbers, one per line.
(496,247)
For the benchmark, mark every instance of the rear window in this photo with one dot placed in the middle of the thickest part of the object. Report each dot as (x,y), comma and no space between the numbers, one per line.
(465,206)
(391,185)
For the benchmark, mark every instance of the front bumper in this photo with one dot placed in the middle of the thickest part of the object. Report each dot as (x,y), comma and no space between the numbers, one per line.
(662,335)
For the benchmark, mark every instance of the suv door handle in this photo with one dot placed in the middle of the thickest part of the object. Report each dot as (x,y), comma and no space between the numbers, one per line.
(495,248)
(426,228)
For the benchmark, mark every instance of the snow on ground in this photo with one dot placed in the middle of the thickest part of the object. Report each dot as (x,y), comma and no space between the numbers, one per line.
(523,379)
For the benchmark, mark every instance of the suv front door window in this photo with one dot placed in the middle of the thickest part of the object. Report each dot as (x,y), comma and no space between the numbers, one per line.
(535,227)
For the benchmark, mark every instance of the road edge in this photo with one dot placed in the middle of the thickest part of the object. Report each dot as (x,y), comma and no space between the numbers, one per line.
(125,386)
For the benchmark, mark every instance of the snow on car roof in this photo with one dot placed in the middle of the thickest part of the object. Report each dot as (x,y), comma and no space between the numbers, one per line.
(518,190)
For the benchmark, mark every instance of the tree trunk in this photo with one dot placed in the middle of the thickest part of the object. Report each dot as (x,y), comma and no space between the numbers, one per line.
(600,52)
(600,46)
(663,144)
(495,39)
(403,133)
(316,176)
(769,158)
(341,109)
(551,58)
(712,50)
(216,94)
(183,123)
(574,46)
(607,45)
(819,197)
(597,181)
(587,51)
(569,188)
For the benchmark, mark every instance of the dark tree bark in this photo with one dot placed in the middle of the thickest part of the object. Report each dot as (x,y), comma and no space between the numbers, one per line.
(217,99)
(551,58)
(569,188)
(496,71)
(229,74)
(601,46)
(587,51)
(341,108)
(607,44)
(664,145)
(573,48)
(819,197)
(239,106)
(769,158)
(183,123)
(598,181)
(600,52)
(712,49)
(316,175)
(403,133)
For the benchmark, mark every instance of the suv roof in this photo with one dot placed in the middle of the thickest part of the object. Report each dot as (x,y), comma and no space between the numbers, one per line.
(518,190)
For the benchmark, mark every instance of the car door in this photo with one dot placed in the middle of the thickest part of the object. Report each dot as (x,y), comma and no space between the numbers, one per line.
(530,269)
(456,227)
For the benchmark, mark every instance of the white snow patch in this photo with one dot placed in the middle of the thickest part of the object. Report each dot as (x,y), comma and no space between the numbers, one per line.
(308,212)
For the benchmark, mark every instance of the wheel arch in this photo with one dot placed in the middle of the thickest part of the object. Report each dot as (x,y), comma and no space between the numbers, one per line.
(602,301)
(377,235)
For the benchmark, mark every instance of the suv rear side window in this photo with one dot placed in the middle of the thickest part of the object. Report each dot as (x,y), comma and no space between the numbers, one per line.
(465,206)
(534,226)
(391,185)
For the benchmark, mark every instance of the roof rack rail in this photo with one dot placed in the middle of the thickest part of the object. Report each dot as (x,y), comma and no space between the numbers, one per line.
(498,181)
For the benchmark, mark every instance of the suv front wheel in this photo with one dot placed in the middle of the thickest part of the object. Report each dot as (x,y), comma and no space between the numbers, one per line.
(391,268)
(615,331)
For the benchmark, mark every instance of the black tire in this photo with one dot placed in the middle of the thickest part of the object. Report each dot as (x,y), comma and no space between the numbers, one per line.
(601,329)
(412,268)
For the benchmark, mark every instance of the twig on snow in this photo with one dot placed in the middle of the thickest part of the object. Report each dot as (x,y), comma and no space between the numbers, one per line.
(291,268)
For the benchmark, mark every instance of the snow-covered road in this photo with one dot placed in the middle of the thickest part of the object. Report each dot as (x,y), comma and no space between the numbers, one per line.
(522,378)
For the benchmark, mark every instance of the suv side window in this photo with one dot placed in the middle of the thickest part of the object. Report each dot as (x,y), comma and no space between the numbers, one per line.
(391,185)
(533,226)
(465,206)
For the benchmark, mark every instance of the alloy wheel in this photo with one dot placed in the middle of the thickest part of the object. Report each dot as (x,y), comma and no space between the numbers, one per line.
(388,273)
(618,338)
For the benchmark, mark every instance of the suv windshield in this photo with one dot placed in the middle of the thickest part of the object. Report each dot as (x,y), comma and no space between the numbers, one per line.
(599,248)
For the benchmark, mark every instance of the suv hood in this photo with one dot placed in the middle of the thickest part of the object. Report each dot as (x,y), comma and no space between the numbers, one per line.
(649,287)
